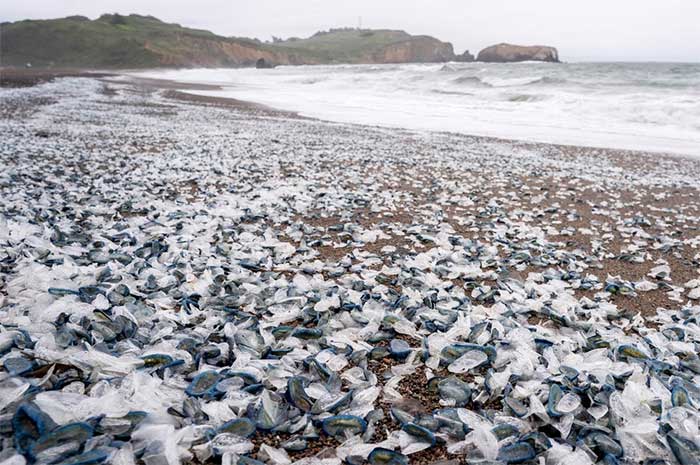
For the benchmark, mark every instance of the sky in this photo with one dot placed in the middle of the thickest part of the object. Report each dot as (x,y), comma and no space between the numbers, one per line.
(598,30)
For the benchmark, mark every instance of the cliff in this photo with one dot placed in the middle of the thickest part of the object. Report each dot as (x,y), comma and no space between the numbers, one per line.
(115,41)
(507,53)
(372,46)
(134,41)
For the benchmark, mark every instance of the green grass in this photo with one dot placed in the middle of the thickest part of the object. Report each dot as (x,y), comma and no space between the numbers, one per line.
(346,45)
(134,41)
(103,42)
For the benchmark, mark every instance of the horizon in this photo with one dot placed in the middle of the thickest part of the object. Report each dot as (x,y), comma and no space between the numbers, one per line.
(581,36)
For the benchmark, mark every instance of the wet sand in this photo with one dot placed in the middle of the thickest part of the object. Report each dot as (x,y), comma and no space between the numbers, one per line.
(28,77)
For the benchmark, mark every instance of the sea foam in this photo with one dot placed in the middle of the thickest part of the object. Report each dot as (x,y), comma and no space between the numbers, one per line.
(642,106)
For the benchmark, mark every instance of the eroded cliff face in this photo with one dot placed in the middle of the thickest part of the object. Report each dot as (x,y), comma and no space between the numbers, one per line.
(508,53)
(212,53)
(136,41)
(415,50)
(246,55)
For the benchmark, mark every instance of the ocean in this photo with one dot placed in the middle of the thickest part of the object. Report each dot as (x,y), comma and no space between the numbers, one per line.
(639,106)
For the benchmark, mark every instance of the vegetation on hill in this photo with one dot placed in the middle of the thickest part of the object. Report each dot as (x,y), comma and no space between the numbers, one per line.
(346,45)
(135,41)
(112,40)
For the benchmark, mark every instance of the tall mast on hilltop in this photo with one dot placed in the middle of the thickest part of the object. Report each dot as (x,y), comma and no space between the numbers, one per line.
(359,22)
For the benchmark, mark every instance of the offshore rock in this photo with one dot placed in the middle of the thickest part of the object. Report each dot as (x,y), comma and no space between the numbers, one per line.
(508,53)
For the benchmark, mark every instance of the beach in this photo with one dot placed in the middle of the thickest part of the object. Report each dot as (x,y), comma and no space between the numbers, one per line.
(229,220)
(648,107)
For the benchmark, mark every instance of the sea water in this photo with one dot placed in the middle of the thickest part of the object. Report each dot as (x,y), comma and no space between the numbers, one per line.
(640,106)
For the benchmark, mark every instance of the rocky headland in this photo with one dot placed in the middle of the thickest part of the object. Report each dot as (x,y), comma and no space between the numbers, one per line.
(115,41)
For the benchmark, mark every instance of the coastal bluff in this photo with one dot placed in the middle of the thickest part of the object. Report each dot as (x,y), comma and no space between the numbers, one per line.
(509,53)
(420,49)
(115,41)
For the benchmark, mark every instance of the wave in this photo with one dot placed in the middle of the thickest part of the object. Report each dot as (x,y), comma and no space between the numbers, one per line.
(525,81)
(448,69)
(665,84)
(649,106)
(686,69)
(450,92)
(510,82)
(474,80)
(312,81)
(526,98)
(547,80)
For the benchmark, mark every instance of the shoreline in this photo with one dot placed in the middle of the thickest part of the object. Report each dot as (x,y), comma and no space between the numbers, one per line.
(178,90)
(30,77)
(18,77)
(529,105)
(183,87)
(174,91)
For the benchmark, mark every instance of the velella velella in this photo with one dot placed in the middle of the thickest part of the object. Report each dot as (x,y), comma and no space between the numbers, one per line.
(204,384)
(341,425)
(191,298)
(382,456)
(61,442)
(240,426)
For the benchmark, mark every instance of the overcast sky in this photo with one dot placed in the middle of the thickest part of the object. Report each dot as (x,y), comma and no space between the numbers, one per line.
(667,30)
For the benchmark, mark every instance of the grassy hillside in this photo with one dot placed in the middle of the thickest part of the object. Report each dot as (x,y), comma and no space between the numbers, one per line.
(346,45)
(134,41)
(109,41)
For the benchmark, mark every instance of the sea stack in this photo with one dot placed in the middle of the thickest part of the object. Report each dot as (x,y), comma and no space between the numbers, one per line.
(465,57)
(508,53)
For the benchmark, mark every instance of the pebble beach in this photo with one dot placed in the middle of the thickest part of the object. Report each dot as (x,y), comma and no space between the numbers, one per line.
(196,280)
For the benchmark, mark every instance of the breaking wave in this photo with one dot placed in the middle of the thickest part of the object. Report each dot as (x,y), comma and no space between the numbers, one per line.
(475,80)
(647,106)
